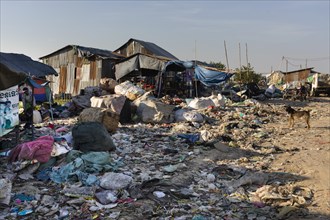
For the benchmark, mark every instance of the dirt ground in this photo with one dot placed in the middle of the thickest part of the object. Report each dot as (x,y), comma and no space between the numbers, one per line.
(309,152)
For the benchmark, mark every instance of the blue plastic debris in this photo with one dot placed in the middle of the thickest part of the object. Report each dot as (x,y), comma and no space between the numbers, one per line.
(192,138)
(25,212)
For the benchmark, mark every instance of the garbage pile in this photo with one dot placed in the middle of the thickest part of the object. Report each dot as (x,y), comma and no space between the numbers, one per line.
(203,159)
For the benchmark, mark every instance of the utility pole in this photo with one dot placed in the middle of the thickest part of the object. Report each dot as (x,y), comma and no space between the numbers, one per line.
(306,64)
(226,55)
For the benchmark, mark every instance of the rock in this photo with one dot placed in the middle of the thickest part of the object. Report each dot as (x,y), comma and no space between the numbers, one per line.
(210,178)
(107,196)
(115,181)
(159,194)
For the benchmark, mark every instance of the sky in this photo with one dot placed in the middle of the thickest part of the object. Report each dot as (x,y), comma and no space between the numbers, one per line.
(266,31)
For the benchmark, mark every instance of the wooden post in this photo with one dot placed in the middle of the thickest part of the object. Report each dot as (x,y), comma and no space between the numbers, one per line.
(226,55)
(247,60)
(160,84)
(196,87)
(32,104)
(286,70)
(240,63)
(286,65)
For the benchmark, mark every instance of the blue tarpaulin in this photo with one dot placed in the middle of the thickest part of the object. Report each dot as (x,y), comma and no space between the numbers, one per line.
(211,77)
(205,76)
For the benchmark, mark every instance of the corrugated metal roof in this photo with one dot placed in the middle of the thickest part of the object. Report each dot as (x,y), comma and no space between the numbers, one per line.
(87,52)
(155,49)
(296,71)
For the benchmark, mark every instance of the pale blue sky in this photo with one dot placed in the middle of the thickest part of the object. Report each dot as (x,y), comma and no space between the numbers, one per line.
(271,29)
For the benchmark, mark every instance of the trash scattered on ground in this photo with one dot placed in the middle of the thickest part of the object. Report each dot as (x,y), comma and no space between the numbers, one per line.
(208,162)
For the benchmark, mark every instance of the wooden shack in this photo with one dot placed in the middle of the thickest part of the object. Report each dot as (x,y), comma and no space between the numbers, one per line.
(300,75)
(79,67)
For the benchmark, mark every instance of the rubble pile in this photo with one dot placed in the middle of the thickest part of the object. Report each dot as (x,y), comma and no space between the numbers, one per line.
(213,163)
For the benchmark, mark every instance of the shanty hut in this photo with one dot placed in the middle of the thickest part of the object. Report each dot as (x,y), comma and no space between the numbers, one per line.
(275,78)
(79,67)
(15,70)
(143,63)
(300,75)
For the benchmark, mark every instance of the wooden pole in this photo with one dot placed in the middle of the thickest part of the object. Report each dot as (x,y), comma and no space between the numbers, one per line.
(247,60)
(32,104)
(196,87)
(240,62)
(286,65)
(286,70)
(224,42)
(226,55)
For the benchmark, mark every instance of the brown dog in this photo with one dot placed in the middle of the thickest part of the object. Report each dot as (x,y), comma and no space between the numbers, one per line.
(294,114)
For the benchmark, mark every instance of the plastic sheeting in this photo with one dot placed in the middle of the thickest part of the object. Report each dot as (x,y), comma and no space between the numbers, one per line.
(15,68)
(210,77)
(137,62)
(205,76)
(82,167)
